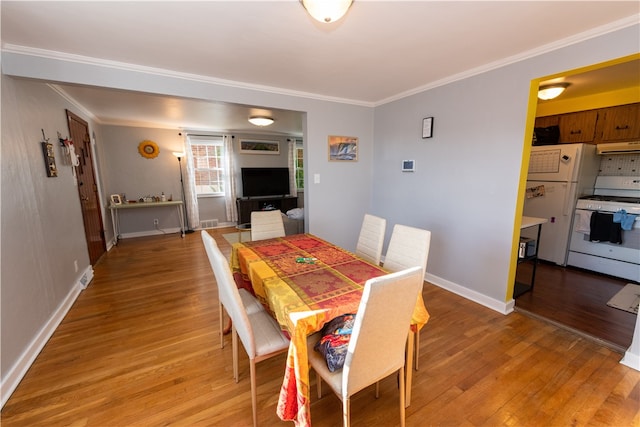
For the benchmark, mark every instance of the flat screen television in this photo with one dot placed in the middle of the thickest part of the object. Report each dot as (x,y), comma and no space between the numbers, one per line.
(261,182)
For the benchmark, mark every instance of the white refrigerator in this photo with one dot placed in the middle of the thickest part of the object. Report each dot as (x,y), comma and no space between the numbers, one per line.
(558,176)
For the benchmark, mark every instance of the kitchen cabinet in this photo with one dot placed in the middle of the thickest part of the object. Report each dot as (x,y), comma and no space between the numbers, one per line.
(619,123)
(578,127)
(602,125)
(247,205)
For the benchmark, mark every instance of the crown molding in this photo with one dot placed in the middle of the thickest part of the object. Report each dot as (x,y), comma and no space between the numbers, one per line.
(123,66)
(558,44)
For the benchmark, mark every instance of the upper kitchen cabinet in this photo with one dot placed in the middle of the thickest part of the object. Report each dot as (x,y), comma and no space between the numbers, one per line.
(578,127)
(619,123)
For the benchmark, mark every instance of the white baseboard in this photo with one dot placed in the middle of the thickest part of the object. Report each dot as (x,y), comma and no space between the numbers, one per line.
(496,305)
(24,362)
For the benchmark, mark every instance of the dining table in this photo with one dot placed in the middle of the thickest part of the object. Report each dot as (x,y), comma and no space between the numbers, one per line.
(304,282)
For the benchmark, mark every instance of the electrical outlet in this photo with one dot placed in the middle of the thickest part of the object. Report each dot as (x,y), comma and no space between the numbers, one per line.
(155,221)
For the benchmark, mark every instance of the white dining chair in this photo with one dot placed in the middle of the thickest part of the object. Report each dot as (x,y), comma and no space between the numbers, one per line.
(259,333)
(371,238)
(408,247)
(377,345)
(266,225)
(250,303)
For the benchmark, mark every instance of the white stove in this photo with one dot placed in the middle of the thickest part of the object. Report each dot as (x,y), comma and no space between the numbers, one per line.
(619,257)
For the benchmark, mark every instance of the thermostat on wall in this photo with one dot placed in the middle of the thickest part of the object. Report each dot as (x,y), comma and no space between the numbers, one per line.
(408,165)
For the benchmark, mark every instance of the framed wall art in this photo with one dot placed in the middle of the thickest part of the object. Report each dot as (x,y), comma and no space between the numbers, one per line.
(343,148)
(259,146)
(427,127)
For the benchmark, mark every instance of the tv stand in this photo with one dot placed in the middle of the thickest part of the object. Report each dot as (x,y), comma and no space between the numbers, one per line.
(246,205)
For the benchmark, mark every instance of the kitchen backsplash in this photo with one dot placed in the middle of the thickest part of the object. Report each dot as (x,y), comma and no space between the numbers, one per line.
(620,165)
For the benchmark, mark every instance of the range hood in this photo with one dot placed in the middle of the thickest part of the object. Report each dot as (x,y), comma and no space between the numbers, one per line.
(619,148)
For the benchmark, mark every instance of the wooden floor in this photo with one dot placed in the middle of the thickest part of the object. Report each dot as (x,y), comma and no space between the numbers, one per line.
(140,347)
(577,299)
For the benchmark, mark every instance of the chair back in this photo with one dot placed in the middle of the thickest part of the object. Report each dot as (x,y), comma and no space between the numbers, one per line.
(377,345)
(371,238)
(408,247)
(266,225)
(229,294)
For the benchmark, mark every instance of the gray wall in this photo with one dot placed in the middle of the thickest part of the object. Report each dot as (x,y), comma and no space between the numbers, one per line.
(465,189)
(42,229)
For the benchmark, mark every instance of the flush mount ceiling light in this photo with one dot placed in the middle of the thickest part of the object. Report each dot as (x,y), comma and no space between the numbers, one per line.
(551,91)
(260,120)
(326,10)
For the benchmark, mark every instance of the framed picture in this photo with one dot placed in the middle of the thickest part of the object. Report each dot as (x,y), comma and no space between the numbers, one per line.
(427,127)
(116,199)
(343,148)
(259,146)
(408,165)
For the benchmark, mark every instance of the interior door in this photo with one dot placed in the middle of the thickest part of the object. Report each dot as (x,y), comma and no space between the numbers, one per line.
(87,187)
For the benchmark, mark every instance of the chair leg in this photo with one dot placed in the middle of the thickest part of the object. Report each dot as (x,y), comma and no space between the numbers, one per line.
(402,403)
(254,393)
(221,320)
(346,409)
(417,344)
(377,389)
(234,346)
(319,385)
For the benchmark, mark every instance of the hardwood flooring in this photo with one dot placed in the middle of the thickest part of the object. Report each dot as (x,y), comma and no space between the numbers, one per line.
(140,347)
(577,299)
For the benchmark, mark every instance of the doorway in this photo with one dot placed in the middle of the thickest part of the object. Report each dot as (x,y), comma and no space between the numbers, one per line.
(87,187)
(570,297)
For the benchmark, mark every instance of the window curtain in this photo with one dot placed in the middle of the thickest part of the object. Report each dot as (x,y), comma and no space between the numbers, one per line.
(292,167)
(230,180)
(191,199)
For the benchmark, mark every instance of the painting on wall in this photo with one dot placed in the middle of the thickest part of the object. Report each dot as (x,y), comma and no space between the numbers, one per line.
(343,148)
(259,146)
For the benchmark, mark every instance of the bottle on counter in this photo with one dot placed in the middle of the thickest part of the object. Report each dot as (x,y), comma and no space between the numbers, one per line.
(163,198)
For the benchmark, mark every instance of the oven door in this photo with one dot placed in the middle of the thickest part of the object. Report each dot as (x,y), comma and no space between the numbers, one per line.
(619,260)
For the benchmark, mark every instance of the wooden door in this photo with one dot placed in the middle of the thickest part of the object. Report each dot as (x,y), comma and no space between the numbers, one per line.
(87,187)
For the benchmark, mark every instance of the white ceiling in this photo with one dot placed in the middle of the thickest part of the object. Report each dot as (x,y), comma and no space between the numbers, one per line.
(380,51)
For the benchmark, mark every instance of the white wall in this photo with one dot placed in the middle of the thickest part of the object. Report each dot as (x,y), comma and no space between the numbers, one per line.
(465,188)
(42,229)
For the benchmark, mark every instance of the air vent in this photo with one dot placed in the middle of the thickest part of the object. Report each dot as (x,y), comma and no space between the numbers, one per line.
(208,223)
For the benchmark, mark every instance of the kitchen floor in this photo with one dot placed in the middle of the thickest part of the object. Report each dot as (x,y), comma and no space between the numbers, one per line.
(577,300)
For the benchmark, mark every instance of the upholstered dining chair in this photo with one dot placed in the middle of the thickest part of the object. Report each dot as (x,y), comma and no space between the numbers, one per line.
(250,303)
(266,225)
(259,333)
(371,238)
(377,345)
(408,247)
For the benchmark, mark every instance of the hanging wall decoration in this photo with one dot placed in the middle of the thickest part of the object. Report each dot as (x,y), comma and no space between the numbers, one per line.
(49,157)
(148,149)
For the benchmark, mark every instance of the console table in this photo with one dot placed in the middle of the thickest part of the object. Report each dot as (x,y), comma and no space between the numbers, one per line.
(115,213)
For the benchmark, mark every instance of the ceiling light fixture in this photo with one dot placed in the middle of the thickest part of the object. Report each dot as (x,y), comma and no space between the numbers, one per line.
(551,91)
(326,11)
(260,120)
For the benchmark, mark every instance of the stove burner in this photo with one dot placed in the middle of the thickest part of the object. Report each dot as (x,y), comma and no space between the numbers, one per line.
(617,199)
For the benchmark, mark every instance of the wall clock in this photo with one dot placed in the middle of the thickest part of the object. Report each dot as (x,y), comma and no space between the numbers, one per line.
(148,149)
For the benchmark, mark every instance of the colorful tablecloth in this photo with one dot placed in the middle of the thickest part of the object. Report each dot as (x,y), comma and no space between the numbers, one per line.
(304,282)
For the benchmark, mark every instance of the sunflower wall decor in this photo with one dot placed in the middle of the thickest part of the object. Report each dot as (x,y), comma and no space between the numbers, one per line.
(148,149)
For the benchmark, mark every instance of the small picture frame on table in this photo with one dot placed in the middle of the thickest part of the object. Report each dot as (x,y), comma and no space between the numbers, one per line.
(116,199)
(427,127)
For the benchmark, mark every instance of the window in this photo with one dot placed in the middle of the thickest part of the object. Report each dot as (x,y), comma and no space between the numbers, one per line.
(299,165)
(208,163)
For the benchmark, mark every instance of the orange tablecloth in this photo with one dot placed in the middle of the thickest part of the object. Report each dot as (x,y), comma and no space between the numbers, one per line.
(303,297)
